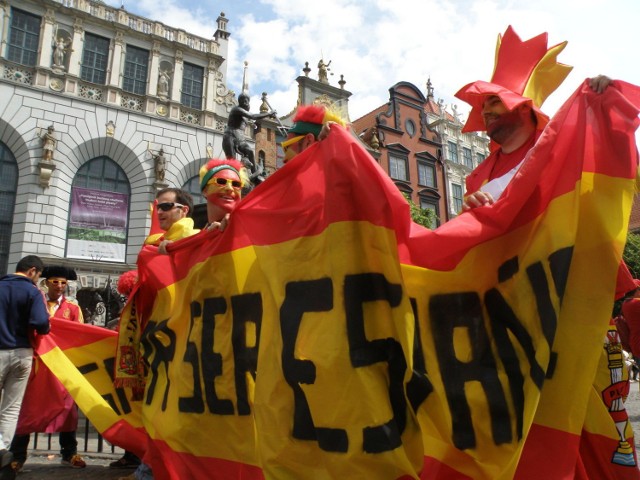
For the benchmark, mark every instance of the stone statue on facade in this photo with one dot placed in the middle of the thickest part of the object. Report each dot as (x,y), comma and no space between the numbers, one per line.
(59,51)
(163,83)
(234,139)
(323,71)
(159,165)
(49,142)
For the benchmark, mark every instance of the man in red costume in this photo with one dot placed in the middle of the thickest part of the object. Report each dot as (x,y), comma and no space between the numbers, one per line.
(631,314)
(508,109)
(60,308)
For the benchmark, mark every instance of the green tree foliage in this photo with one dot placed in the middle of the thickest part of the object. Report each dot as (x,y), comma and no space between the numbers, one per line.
(631,254)
(422,216)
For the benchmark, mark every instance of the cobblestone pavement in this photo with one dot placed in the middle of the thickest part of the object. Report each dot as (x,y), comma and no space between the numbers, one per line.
(46,464)
(42,466)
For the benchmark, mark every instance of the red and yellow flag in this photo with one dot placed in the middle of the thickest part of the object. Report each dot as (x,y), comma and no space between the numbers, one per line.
(323,335)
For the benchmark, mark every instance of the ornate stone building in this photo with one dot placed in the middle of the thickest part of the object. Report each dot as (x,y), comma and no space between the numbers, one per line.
(408,149)
(99,109)
(462,152)
(310,91)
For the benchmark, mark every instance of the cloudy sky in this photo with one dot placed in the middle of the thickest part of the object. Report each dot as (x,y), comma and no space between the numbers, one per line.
(377,43)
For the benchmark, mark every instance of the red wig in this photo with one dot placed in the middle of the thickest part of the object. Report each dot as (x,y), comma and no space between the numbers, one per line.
(126,282)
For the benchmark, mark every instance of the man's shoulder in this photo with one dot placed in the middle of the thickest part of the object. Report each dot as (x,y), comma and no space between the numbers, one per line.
(13,278)
(71,301)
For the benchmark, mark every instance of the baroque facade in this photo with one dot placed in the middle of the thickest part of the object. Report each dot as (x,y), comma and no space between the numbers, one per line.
(407,148)
(462,152)
(310,91)
(99,109)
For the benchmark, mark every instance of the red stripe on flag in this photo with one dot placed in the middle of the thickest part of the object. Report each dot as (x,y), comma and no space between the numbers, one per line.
(168,464)
(127,437)
(548,453)
(66,334)
(434,469)
(597,458)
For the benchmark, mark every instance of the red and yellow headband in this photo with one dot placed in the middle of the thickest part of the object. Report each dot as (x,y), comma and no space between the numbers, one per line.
(213,166)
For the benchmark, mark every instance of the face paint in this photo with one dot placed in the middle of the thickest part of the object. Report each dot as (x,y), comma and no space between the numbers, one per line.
(224,196)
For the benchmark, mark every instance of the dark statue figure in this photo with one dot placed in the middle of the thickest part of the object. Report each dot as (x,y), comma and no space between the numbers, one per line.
(101,306)
(234,140)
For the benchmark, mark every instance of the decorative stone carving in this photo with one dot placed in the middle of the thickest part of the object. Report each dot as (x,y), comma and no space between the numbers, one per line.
(111,128)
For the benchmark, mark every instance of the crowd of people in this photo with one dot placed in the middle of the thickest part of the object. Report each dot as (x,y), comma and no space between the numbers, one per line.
(510,116)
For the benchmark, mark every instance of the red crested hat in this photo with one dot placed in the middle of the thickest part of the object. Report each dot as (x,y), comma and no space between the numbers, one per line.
(524,72)
(308,119)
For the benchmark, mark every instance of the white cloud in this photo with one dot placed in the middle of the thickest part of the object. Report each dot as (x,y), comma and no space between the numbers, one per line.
(377,43)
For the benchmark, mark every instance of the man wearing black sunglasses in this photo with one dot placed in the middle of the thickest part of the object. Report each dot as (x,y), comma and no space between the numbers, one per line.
(173,208)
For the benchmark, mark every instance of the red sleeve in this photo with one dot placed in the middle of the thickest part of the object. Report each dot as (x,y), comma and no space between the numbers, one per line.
(631,312)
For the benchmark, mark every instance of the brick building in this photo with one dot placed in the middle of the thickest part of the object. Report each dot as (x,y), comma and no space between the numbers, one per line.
(408,149)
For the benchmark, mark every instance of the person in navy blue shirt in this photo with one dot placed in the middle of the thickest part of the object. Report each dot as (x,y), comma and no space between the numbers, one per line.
(22,310)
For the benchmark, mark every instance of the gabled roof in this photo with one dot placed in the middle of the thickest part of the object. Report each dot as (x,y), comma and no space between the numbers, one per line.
(433,108)
(368,120)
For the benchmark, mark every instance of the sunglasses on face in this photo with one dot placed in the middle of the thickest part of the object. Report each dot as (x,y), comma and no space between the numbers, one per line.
(58,282)
(226,181)
(166,206)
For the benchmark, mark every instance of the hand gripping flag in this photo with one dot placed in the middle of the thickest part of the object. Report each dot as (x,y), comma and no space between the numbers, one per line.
(324,335)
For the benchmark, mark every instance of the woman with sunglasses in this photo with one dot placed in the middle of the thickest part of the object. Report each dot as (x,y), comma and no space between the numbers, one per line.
(221,182)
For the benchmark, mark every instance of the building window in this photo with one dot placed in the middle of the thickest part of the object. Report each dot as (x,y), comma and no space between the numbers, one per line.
(192,78)
(398,168)
(102,173)
(193,187)
(94,59)
(466,157)
(456,193)
(23,38)
(136,65)
(427,175)
(410,127)
(453,152)
(8,188)
(431,205)
(99,212)
(479,158)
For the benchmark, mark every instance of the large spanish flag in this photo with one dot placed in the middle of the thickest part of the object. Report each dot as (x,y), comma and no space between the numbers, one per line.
(323,335)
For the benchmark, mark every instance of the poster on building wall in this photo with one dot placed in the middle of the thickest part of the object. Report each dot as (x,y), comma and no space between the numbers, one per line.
(98,225)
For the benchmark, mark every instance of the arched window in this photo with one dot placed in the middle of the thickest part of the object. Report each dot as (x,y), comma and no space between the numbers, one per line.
(99,213)
(8,188)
